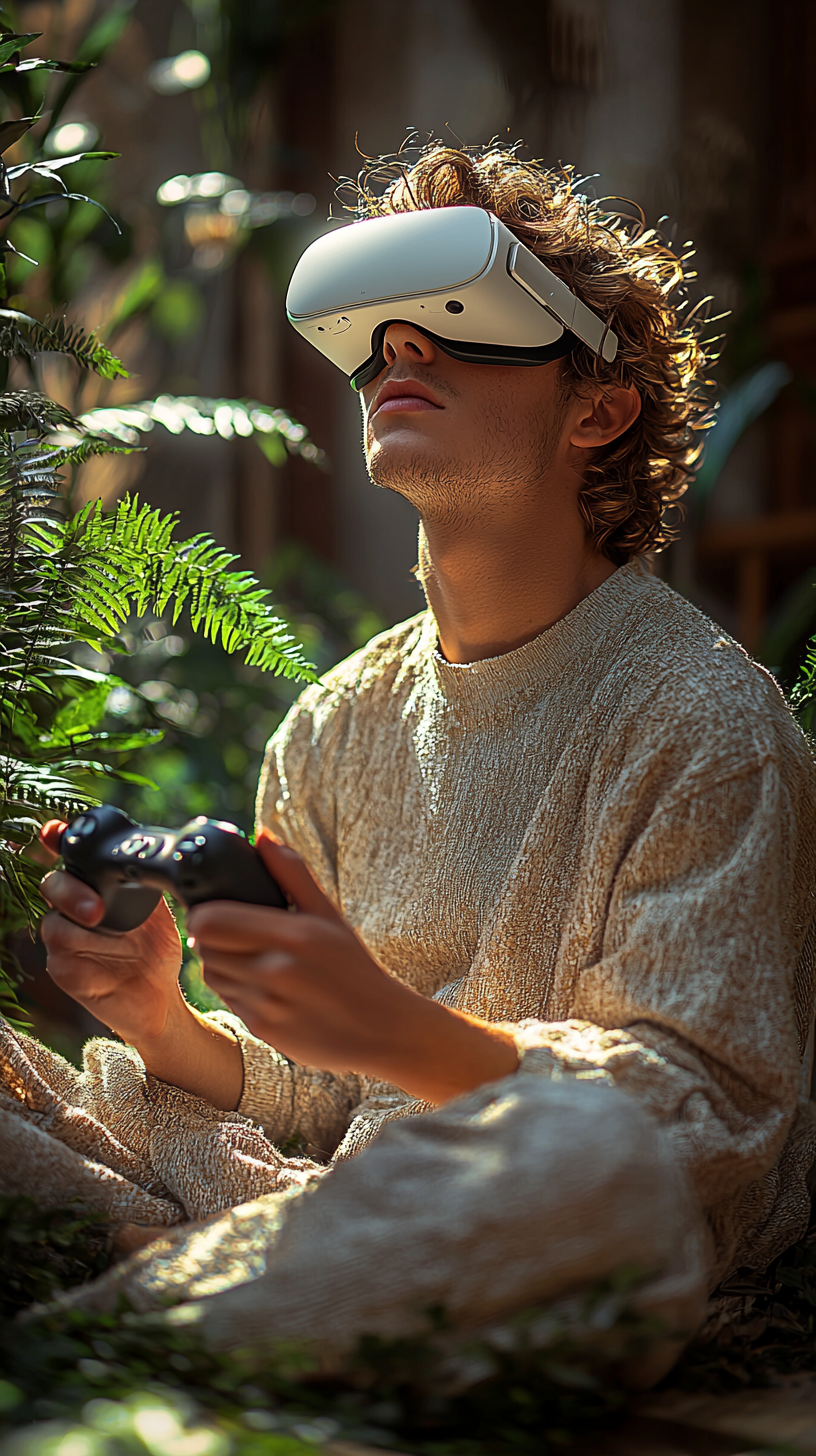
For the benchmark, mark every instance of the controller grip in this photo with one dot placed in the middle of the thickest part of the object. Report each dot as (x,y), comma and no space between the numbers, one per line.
(129,906)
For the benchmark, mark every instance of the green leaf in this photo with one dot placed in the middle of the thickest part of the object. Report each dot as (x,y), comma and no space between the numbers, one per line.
(11,44)
(138,293)
(57,336)
(11,131)
(49,167)
(272,447)
(38,64)
(743,403)
(274,430)
(105,32)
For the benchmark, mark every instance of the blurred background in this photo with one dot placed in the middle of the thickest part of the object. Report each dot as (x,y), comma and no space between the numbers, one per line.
(235,118)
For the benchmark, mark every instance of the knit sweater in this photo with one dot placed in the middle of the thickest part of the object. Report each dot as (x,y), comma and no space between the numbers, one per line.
(605,838)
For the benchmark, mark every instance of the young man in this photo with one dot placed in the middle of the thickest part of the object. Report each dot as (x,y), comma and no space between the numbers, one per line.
(552,845)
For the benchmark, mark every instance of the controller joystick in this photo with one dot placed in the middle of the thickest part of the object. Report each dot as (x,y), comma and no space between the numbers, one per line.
(132,865)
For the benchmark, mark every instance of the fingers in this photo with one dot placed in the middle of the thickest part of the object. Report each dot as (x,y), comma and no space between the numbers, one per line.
(62,936)
(51,834)
(232,927)
(73,898)
(271,973)
(293,876)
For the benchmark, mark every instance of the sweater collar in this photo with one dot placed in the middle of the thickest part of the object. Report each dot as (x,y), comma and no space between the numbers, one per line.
(568,644)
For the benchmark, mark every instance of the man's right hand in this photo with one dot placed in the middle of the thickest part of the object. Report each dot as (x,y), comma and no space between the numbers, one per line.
(128,980)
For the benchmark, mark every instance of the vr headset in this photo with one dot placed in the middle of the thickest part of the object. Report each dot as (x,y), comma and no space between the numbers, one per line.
(455,273)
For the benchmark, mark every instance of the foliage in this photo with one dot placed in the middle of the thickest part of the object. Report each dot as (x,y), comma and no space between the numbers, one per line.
(534,1384)
(215,715)
(273,429)
(746,400)
(804,693)
(75,583)
(540,1382)
(79,582)
(42,1250)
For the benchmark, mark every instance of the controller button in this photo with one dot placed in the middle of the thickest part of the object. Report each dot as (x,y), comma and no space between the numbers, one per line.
(186,846)
(84,825)
(176,855)
(200,839)
(197,858)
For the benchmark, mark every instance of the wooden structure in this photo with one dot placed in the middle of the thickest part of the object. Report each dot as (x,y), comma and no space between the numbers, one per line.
(771,550)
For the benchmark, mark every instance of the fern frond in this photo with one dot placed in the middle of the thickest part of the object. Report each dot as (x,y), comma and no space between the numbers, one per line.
(57,336)
(22,336)
(228,605)
(26,409)
(90,446)
(29,488)
(276,433)
(803,697)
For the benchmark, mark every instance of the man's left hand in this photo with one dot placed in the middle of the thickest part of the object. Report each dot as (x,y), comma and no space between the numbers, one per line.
(306,984)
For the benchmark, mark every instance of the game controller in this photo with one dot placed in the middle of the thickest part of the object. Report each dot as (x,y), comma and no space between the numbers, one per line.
(132,865)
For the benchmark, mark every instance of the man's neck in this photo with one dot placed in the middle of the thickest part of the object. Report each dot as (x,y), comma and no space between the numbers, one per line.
(492,590)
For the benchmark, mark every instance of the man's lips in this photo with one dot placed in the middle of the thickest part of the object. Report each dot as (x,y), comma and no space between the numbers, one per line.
(405,396)
(407,403)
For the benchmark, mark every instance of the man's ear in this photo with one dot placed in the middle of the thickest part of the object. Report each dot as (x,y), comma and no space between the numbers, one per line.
(604,415)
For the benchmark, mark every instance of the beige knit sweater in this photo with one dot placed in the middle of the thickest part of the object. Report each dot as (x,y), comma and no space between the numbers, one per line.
(606,838)
(610,834)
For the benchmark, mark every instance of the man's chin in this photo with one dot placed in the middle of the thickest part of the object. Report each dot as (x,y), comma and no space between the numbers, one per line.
(414,473)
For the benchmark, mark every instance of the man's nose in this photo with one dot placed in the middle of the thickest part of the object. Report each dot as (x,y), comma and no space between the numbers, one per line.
(404,342)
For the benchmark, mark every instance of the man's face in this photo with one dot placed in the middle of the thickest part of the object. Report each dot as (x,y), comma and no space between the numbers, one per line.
(451,436)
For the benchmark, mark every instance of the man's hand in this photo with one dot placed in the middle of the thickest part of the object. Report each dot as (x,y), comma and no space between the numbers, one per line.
(306,984)
(130,982)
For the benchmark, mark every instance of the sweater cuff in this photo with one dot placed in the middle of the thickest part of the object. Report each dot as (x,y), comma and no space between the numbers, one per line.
(268,1094)
(557,1051)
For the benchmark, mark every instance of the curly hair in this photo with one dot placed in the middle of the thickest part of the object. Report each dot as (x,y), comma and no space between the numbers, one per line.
(630,276)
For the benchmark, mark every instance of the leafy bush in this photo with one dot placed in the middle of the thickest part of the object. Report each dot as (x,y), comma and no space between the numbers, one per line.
(72,583)
(535,1385)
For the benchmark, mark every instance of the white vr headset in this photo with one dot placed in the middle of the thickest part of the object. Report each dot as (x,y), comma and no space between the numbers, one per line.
(455,273)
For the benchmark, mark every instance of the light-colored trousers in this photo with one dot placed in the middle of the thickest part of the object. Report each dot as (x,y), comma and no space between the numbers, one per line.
(524,1193)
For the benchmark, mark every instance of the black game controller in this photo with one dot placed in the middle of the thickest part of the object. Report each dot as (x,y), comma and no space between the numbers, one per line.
(131,865)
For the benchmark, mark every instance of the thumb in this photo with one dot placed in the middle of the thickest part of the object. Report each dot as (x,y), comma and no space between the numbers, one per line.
(294,877)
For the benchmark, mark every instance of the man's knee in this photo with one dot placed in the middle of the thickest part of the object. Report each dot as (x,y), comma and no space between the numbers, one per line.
(513,1196)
